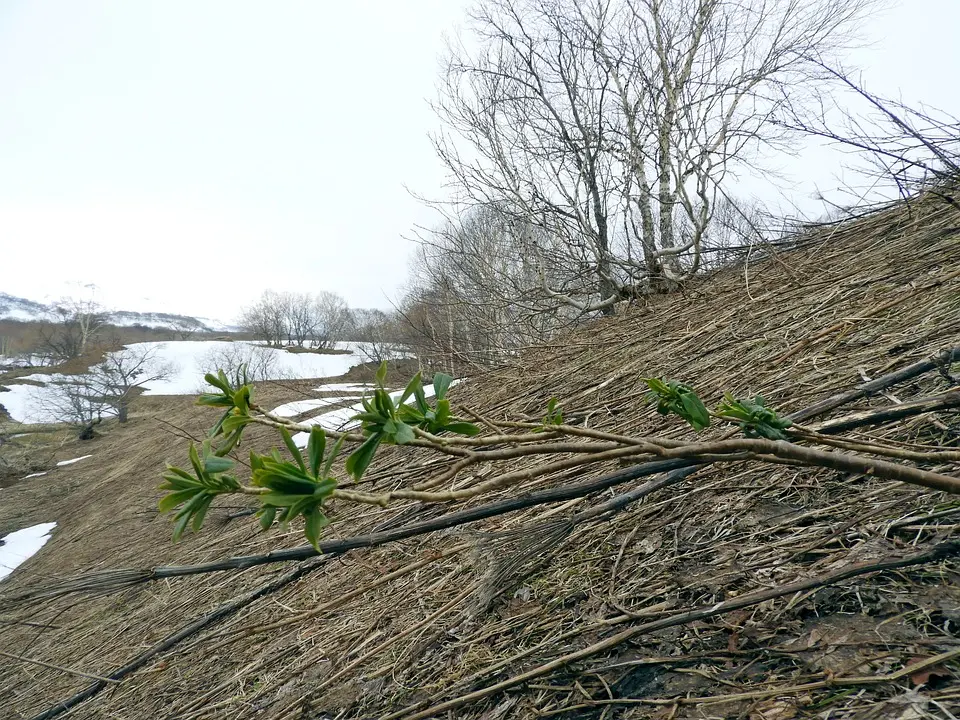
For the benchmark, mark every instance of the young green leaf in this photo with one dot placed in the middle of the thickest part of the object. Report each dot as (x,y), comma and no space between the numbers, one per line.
(404,434)
(754,418)
(234,422)
(411,389)
(695,412)
(218,382)
(201,512)
(178,479)
(443,413)
(213,464)
(284,477)
(316,447)
(360,458)
(334,452)
(462,428)
(241,399)
(169,502)
(211,400)
(314,522)
(230,442)
(441,383)
(554,415)
(180,526)
(267,516)
(195,460)
(292,447)
(421,398)
(324,488)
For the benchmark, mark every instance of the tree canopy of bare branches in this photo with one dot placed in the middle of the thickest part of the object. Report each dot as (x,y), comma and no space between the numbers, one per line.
(614,127)
(289,318)
(73,324)
(906,147)
(105,389)
(472,295)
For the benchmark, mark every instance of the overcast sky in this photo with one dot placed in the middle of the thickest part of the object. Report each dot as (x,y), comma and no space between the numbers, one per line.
(163,149)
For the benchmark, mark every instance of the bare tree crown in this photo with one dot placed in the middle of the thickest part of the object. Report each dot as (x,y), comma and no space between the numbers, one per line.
(614,126)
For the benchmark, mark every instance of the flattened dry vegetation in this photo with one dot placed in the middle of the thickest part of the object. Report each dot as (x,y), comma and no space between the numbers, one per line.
(754,590)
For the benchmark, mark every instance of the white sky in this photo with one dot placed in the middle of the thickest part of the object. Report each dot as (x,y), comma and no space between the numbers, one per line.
(161,149)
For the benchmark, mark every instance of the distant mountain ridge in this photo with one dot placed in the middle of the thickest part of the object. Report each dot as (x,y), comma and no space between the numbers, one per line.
(24,310)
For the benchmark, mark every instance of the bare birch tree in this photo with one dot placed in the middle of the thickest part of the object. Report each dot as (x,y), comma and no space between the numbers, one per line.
(330,317)
(615,125)
(72,326)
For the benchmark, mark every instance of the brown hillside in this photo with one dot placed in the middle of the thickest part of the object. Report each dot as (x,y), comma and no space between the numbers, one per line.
(527,615)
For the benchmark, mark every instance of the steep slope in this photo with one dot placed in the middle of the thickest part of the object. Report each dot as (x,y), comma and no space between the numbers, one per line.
(548,611)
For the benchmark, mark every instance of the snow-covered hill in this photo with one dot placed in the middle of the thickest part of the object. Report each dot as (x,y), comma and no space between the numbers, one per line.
(24,310)
(17,308)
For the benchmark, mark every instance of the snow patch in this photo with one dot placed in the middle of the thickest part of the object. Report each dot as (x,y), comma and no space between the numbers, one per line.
(345,387)
(19,546)
(190,359)
(27,477)
(25,403)
(341,420)
(71,462)
(298,407)
(8,362)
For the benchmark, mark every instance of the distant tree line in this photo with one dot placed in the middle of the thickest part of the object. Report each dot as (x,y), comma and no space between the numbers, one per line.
(321,320)
(300,319)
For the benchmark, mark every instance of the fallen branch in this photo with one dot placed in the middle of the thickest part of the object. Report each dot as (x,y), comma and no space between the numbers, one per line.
(942,360)
(780,691)
(684,456)
(943,401)
(114,580)
(41,663)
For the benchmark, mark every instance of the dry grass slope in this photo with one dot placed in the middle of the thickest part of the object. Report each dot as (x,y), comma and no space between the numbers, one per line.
(522,616)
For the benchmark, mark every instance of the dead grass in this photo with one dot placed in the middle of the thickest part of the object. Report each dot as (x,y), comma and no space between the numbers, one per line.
(394,631)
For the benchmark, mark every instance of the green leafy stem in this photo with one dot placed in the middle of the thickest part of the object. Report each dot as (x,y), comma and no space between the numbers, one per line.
(288,489)
(299,484)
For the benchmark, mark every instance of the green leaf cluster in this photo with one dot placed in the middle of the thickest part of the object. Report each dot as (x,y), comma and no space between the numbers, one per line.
(754,417)
(194,493)
(675,398)
(299,487)
(554,415)
(236,399)
(383,420)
